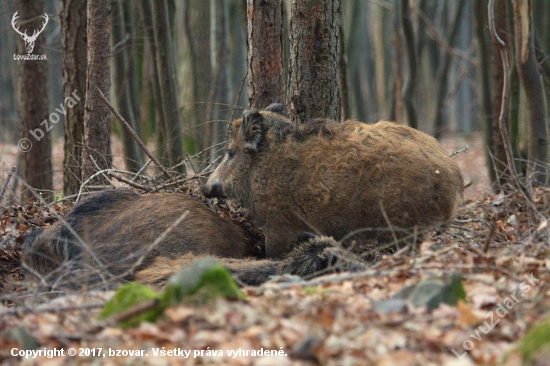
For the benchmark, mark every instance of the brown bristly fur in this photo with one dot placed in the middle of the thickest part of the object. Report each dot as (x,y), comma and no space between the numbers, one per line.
(334,178)
(118,226)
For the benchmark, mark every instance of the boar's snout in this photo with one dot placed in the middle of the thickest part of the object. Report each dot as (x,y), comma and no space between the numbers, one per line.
(213,190)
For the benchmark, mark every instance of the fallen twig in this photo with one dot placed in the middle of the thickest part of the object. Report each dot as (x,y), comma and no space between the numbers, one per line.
(173,183)
(459,151)
(125,315)
(129,182)
(142,169)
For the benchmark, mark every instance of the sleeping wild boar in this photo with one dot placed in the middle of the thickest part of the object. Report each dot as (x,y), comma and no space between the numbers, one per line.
(335,178)
(118,226)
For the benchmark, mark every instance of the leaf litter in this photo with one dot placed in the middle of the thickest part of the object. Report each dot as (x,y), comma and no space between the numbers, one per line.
(333,319)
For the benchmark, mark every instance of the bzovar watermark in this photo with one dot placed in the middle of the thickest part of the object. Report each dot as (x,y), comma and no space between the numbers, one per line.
(501,311)
(29,40)
(25,144)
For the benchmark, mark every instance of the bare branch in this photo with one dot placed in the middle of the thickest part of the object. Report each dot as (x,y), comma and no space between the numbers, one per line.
(129,128)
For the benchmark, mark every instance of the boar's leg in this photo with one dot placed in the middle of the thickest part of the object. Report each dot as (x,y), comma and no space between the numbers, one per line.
(249,271)
(315,255)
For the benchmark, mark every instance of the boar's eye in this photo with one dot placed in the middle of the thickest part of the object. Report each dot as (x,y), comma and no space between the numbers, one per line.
(230,153)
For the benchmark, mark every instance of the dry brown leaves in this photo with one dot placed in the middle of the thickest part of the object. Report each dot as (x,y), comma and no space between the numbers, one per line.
(330,320)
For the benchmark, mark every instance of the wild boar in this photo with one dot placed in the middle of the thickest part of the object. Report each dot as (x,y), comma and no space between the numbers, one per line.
(384,180)
(118,226)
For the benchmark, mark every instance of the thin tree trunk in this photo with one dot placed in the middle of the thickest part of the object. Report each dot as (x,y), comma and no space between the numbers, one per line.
(357,50)
(238,52)
(8,93)
(167,80)
(410,82)
(220,95)
(484,84)
(197,31)
(160,123)
(35,146)
(265,53)
(314,60)
(443,77)
(514,102)
(396,112)
(498,147)
(343,85)
(97,121)
(134,89)
(380,61)
(75,63)
(122,73)
(531,80)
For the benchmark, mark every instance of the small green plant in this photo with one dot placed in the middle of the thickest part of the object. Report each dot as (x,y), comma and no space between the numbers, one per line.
(202,282)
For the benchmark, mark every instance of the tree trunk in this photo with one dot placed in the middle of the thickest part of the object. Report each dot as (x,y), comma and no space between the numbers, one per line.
(410,82)
(197,31)
(220,94)
(265,53)
(9,124)
(484,83)
(380,57)
(75,63)
(514,99)
(445,68)
(498,149)
(359,65)
(122,65)
(342,72)
(396,113)
(238,53)
(35,143)
(531,81)
(135,91)
(167,80)
(314,58)
(97,122)
(160,123)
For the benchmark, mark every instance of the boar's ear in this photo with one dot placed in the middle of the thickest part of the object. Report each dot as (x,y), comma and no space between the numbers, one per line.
(252,131)
(277,108)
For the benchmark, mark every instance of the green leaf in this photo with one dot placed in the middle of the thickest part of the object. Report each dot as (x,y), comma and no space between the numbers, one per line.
(431,293)
(203,281)
(129,296)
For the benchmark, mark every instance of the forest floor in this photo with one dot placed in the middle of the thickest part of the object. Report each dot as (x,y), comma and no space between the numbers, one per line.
(499,245)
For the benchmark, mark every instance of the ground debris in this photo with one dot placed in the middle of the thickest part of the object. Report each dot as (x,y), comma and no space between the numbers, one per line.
(328,320)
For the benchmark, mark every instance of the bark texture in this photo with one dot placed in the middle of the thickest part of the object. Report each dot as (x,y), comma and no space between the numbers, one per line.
(160,124)
(484,82)
(167,80)
(498,148)
(314,59)
(124,71)
(197,31)
(97,122)
(531,80)
(36,165)
(410,82)
(265,52)
(75,62)
(446,61)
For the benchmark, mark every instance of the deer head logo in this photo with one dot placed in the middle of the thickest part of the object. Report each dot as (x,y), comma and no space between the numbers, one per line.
(29,40)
